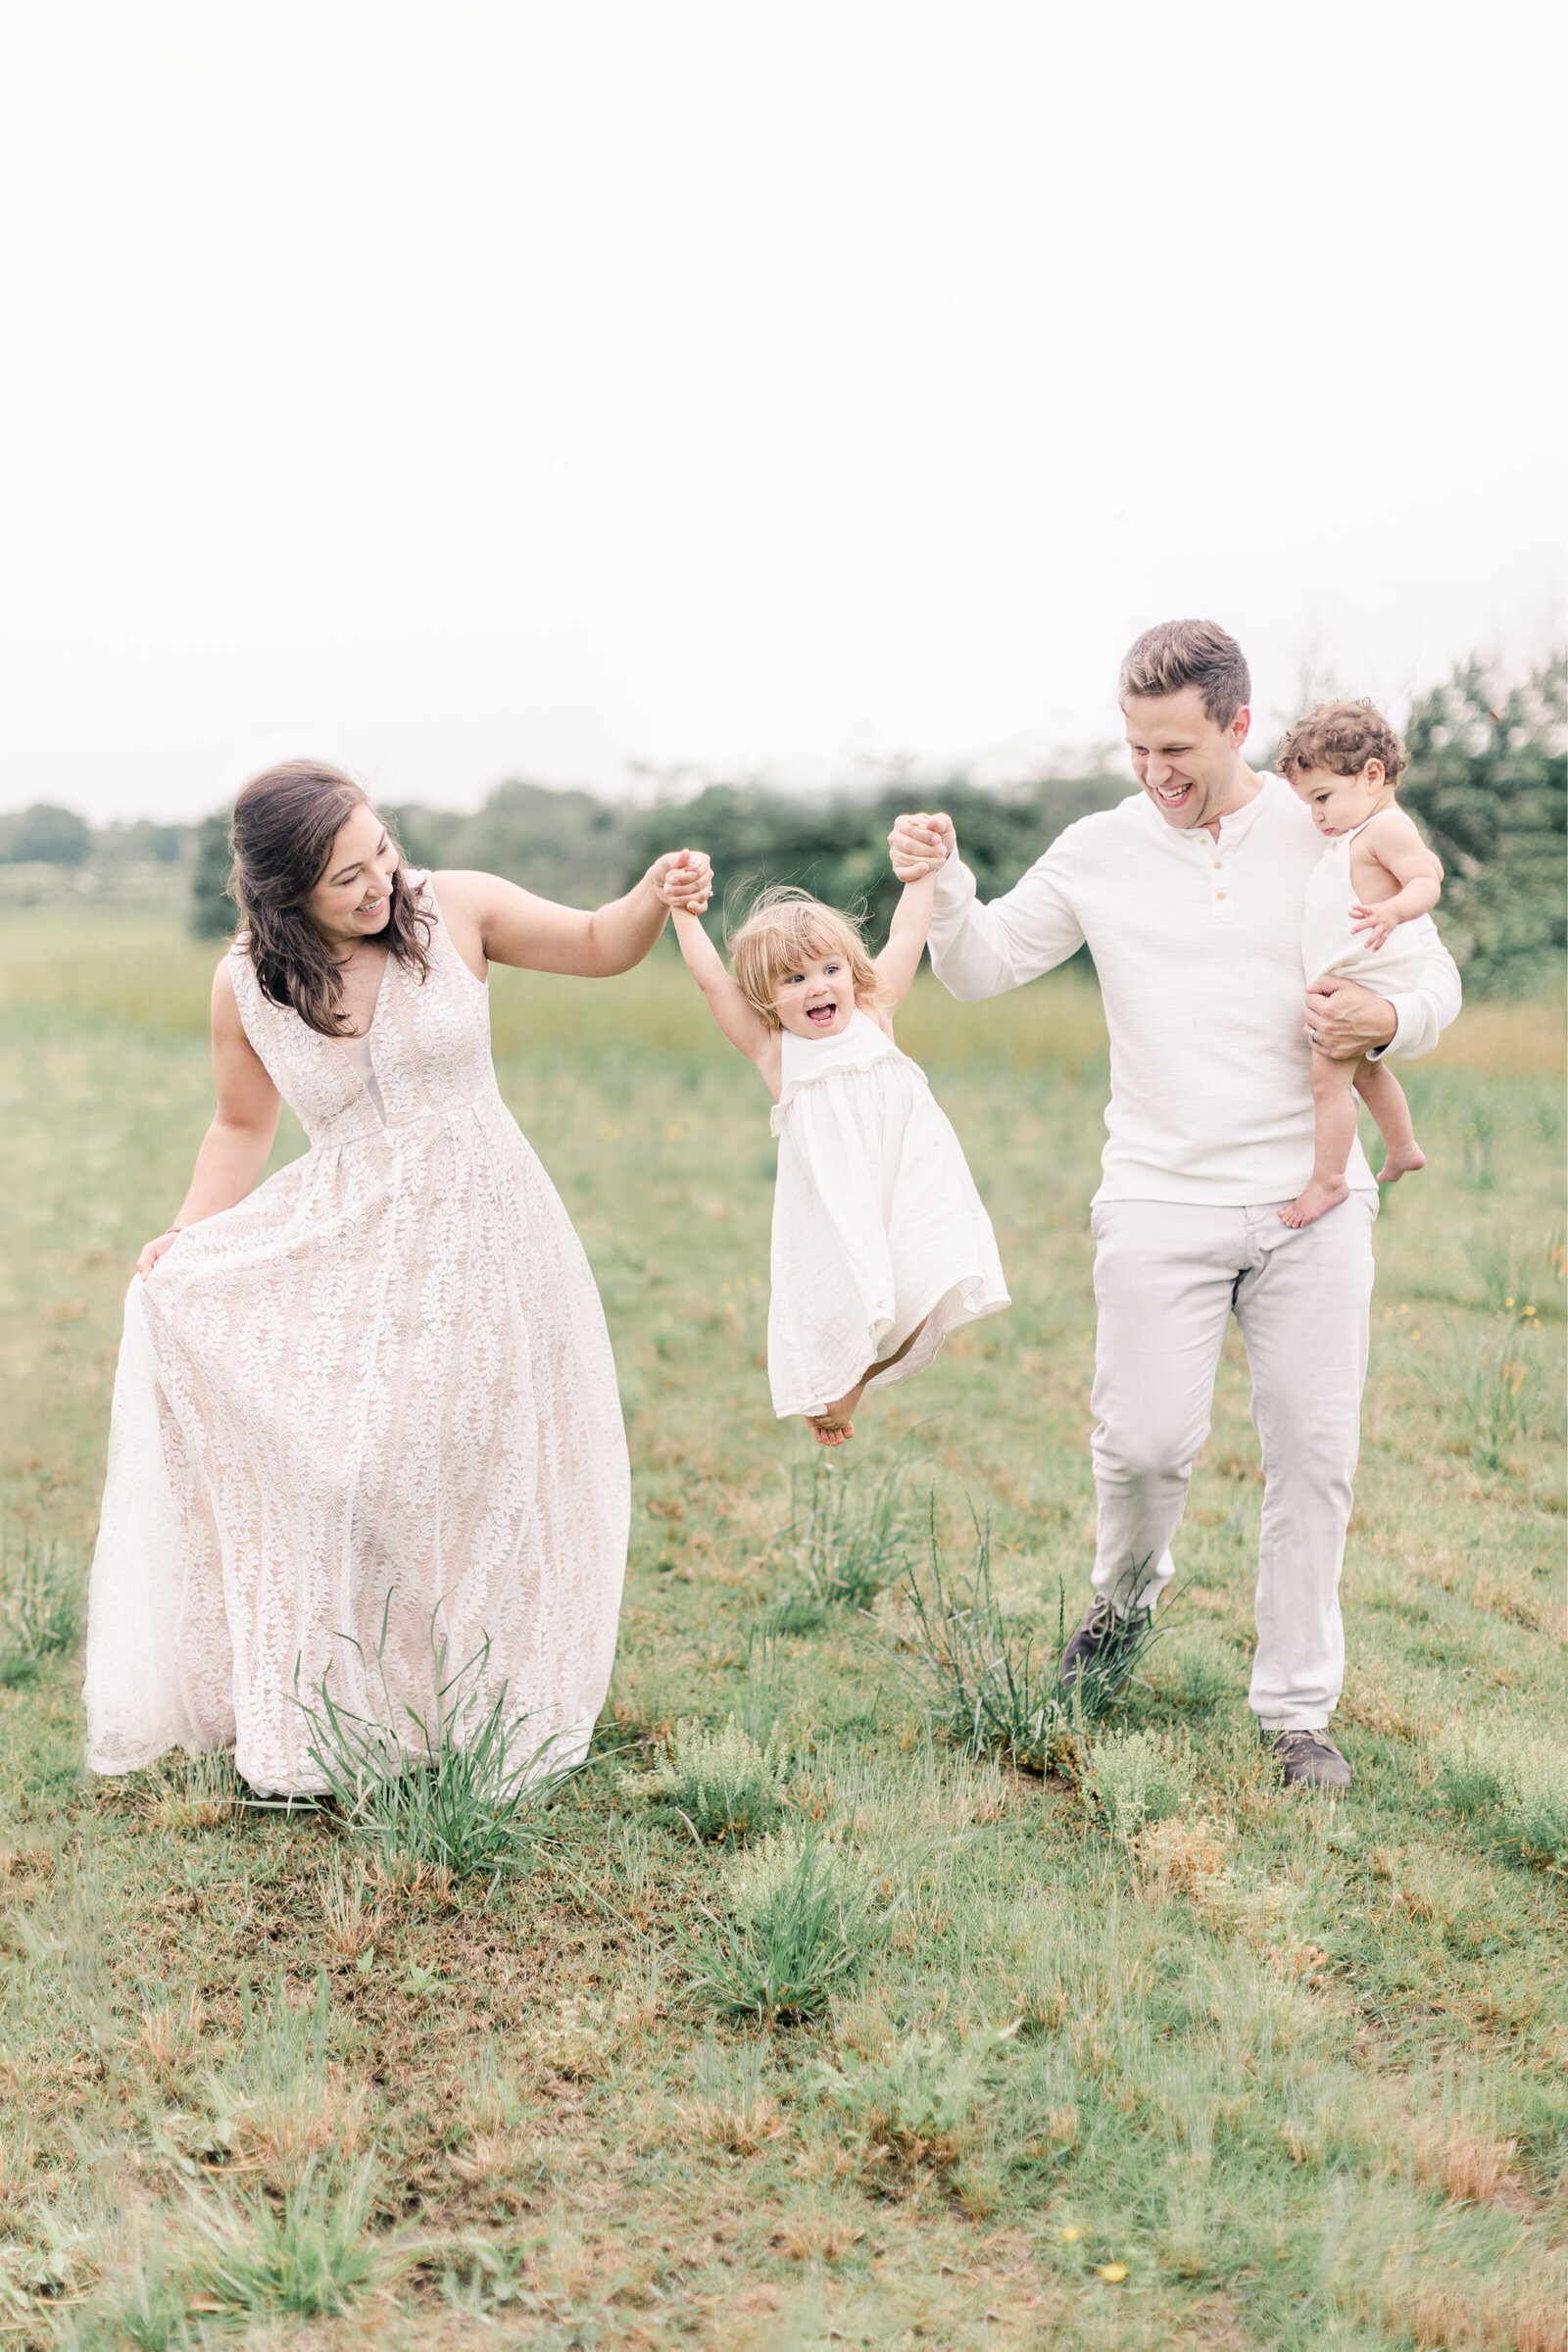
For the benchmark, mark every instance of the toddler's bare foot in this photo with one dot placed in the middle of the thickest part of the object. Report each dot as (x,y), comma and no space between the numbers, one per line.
(1321,1195)
(833,1424)
(1402,1163)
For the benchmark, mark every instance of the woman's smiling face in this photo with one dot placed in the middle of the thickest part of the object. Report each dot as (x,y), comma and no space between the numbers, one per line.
(816,997)
(352,897)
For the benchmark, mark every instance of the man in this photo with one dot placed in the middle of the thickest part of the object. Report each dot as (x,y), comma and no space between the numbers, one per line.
(1190,894)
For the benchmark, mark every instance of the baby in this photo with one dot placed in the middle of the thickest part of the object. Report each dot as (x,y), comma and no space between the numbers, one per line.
(1366,917)
(881,1243)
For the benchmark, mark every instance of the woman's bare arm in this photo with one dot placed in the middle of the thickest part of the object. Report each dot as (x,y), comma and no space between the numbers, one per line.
(234,1150)
(495,921)
(899,959)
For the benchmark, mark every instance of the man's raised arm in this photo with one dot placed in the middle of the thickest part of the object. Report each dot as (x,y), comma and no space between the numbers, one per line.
(982,950)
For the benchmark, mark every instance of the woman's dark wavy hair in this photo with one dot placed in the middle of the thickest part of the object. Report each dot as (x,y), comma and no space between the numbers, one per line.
(283,827)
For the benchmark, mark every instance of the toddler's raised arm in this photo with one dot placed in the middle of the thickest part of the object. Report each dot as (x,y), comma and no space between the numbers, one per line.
(740,1022)
(899,959)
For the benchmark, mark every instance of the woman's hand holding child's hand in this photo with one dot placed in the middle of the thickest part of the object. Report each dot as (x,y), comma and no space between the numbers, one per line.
(684,879)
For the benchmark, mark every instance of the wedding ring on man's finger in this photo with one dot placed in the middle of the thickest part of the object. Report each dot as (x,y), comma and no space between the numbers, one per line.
(1313,1037)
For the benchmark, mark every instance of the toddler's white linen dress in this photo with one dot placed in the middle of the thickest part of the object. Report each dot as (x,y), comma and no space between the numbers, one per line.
(876,1220)
(1329,944)
(380,1383)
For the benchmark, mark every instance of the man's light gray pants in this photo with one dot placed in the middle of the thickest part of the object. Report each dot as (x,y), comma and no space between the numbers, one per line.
(1167,1280)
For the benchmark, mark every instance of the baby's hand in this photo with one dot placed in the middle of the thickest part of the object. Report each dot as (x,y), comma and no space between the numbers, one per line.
(1374,923)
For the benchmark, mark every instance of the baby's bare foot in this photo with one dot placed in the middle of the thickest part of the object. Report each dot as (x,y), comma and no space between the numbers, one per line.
(830,1432)
(1321,1195)
(1402,1163)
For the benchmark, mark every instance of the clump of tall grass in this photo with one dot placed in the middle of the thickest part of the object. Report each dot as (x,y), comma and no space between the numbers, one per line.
(1515,1778)
(984,1684)
(850,1533)
(724,1785)
(731,2106)
(1133,1780)
(804,1939)
(307,2257)
(439,1797)
(1489,1388)
(40,1605)
(1518,1278)
(280,2104)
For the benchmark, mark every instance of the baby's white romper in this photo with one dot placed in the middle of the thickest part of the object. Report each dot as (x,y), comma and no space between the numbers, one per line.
(1329,944)
(876,1220)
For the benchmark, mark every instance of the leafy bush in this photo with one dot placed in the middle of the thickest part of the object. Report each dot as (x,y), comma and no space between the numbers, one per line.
(1487,780)
(722,1784)
(44,835)
(454,1795)
(804,1939)
(756,1878)
(1134,1780)
(919,2099)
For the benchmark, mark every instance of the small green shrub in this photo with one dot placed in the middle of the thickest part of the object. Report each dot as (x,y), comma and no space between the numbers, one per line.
(756,1878)
(919,2098)
(1133,1780)
(1517,1775)
(803,1941)
(723,1784)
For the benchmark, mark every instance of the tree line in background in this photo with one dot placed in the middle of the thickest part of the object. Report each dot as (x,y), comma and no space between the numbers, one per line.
(1487,780)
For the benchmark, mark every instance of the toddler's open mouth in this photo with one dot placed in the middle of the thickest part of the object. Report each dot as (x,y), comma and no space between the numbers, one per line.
(822,1016)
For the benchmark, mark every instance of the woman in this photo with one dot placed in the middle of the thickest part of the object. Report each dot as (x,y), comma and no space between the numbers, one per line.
(366,1408)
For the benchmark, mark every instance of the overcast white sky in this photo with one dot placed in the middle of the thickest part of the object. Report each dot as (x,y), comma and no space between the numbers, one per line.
(462,390)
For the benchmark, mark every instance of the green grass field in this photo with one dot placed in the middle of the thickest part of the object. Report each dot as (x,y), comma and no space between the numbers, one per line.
(1140,2052)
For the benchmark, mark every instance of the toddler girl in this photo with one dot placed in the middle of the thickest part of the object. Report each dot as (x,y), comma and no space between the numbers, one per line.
(881,1245)
(1367,916)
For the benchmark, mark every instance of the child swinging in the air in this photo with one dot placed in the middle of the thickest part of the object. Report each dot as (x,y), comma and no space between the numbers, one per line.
(881,1243)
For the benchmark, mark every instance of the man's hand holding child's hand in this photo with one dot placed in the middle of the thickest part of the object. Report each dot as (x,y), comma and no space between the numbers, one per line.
(921,845)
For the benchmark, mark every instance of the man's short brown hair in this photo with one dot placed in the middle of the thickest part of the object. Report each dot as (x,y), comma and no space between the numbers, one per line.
(1342,737)
(1190,653)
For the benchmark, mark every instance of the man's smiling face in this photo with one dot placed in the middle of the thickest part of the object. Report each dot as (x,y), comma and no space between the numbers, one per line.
(1186,761)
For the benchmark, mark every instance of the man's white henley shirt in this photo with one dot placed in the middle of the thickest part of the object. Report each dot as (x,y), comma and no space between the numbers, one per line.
(1198,945)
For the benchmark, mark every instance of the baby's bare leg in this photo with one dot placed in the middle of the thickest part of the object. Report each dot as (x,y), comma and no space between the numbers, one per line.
(833,1424)
(1384,1097)
(1334,1132)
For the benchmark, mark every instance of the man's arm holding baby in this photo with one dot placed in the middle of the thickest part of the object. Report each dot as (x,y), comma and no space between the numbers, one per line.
(982,950)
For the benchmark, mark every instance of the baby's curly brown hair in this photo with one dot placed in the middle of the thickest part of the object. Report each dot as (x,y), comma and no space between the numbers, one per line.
(1342,737)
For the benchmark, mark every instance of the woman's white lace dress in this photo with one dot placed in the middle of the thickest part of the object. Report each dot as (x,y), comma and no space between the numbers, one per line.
(382,1384)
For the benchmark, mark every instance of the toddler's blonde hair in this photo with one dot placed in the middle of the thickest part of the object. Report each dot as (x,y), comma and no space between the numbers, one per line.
(784,927)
